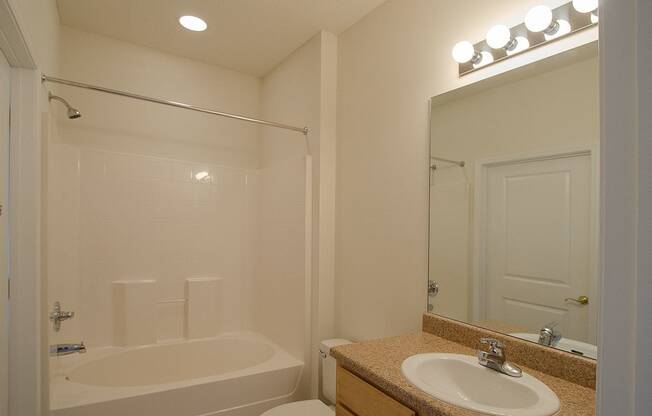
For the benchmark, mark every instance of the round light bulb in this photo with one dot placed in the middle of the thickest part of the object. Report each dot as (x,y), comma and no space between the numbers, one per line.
(498,36)
(487,58)
(463,52)
(585,6)
(522,44)
(193,23)
(564,29)
(538,19)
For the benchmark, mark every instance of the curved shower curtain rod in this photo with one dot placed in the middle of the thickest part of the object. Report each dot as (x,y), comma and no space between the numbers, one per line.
(302,130)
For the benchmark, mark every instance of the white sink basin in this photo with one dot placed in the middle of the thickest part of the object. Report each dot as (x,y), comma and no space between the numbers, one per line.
(566,344)
(459,380)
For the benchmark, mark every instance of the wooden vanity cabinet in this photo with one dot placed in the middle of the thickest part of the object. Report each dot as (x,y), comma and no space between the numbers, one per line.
(356,397)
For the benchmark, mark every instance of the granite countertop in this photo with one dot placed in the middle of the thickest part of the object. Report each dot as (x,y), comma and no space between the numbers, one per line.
(379,363)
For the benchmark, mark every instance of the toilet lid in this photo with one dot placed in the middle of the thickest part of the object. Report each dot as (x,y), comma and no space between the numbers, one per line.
(303,408)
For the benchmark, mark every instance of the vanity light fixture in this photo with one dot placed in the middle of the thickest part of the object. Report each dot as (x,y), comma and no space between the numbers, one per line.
(540,26)
(464,52)
(500,37)
(585,6)
(486,59)
(523,44)
(193,23)
(563,29)
(539,19)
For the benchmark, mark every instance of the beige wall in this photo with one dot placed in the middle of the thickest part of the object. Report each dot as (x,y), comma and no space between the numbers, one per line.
(390,64)
(120,124)
(301,91)
(548,111)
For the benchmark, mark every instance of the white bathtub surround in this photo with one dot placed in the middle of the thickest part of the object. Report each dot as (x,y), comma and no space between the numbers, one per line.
(202,307)
(151,218)
(238,374)
(134,312)
(128,216)
(162,194)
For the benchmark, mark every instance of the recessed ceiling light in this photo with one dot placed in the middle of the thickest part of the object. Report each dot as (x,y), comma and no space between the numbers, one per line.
(193,23)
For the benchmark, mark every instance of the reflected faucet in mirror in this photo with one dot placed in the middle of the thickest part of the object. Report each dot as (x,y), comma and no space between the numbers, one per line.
(549,335)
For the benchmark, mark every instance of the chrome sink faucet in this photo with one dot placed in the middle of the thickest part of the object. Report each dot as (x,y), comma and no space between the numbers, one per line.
(67,349)
(549,335)
(496,359)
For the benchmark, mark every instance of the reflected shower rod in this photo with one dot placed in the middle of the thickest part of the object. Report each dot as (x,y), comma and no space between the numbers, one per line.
(459,163)
(45,78)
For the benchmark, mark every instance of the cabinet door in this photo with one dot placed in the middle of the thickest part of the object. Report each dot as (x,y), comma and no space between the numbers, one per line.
(343,411)
(358,398)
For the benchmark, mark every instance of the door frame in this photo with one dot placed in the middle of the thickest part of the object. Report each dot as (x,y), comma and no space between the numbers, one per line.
(4,238)
(479,235)
(28,364)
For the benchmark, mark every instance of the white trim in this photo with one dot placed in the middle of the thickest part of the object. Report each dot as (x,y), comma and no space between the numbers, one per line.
(625,335)
(306,373)
(28,393)
(643,380)
(478,305)
(12,40)
(5,111)
(26,346)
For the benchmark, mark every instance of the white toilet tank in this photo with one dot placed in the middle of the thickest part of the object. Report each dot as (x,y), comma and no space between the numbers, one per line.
(329,367)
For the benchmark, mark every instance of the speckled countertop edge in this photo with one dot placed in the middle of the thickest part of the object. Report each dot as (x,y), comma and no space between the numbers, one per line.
(379,363)
(558,363)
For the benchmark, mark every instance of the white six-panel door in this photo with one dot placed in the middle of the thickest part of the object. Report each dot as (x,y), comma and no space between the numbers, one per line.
(538,243)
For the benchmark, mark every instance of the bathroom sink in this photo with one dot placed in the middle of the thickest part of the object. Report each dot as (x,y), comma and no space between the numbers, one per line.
(459,380)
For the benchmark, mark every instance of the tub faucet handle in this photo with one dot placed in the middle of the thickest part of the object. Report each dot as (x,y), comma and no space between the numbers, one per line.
(57,316)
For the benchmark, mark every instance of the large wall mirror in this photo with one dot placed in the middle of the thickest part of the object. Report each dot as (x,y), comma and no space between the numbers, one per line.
(514,181)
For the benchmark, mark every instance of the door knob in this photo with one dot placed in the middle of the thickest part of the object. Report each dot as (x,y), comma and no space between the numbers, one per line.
(582,300)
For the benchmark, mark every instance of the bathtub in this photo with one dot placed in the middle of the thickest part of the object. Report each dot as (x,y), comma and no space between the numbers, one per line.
(240,374)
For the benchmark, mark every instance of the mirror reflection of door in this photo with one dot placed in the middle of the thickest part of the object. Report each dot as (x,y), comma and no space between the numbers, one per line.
(537,239)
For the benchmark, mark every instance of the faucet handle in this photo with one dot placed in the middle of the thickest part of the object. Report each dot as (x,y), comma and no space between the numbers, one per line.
(495,346)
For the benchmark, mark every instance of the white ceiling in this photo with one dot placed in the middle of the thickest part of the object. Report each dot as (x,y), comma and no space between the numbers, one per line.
(250,36)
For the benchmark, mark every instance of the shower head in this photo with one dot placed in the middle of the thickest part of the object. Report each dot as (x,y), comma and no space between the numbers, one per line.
(72,112)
